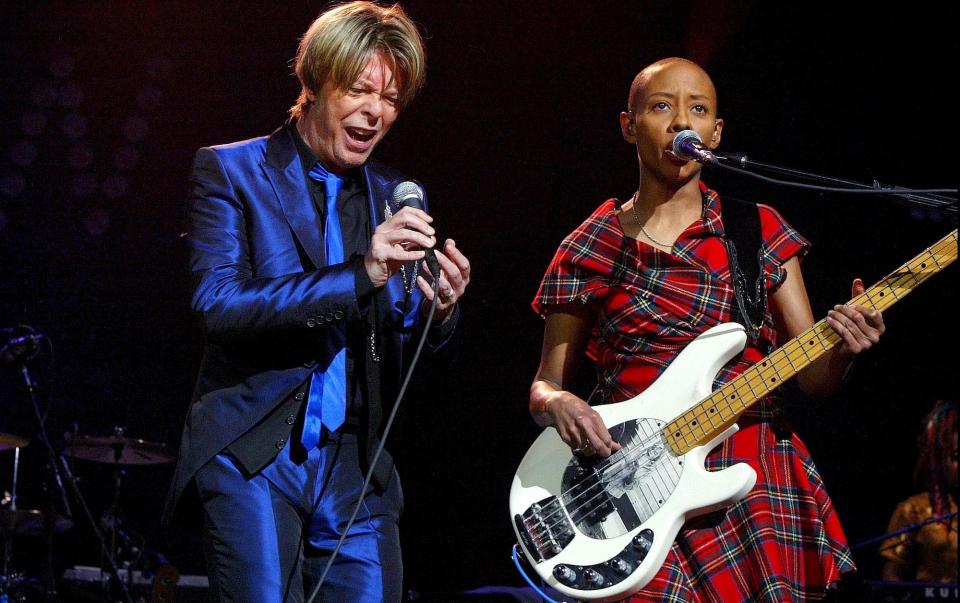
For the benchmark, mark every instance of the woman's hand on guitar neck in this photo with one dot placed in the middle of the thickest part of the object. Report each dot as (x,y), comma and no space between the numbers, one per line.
(859,326)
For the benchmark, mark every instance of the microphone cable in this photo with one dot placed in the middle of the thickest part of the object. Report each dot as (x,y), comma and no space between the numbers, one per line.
(383,439)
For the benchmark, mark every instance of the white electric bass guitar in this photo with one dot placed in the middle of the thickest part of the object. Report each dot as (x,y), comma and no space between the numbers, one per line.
(600,528)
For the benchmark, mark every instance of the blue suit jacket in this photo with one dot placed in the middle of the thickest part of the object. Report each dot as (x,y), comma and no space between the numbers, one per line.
(264,295)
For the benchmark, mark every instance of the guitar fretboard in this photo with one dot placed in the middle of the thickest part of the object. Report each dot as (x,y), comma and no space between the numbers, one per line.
(719,410)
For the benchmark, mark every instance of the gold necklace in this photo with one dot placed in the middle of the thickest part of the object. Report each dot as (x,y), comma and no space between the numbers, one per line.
(636,218)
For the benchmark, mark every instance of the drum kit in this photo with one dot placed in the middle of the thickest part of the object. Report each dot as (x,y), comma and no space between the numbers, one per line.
(18,524)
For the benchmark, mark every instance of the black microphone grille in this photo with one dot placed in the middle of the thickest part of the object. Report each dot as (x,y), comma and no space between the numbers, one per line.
(407,191)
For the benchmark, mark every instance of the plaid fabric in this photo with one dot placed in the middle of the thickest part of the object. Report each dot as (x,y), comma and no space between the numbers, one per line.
(783,541)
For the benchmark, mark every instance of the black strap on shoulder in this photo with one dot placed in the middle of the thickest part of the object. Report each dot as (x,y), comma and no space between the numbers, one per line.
(741,223)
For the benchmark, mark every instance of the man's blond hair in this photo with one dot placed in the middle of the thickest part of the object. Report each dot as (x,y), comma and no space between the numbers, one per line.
(339,43)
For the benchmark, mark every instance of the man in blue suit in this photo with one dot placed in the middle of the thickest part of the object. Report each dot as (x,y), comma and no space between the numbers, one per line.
(307,289)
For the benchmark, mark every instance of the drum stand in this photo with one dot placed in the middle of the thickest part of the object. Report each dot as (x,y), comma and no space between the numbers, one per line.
(62,475)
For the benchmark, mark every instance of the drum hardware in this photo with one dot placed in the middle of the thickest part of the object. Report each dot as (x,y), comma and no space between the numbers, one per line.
(117,449)
(9,441)
(31,522)
(19,345)
(12,522)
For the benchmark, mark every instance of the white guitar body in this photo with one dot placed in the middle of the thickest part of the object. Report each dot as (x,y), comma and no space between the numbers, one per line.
(600,528)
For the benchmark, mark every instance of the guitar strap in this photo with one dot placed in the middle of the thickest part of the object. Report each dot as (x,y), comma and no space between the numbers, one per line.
(741,225)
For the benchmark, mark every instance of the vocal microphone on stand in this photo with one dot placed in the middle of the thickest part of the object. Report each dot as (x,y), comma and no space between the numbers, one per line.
(688,145)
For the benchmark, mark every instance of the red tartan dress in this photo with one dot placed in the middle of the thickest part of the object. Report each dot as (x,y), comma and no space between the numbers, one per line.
(783,541)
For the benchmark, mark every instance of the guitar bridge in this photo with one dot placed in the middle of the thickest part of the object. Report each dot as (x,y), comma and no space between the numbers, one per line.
(544,528)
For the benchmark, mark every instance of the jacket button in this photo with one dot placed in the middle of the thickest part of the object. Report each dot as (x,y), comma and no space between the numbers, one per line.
(291,419)
(298,397)
(321,319)
(329,317)
(338,315)
(280,443)
(311,323)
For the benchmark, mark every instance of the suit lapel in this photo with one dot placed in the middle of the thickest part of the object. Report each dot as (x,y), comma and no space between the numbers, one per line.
(283,169)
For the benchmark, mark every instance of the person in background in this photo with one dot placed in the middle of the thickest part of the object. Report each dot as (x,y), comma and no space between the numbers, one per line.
(928,553)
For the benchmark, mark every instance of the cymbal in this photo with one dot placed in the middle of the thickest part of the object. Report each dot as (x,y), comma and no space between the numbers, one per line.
(30,522)
(119,450)
(8,441)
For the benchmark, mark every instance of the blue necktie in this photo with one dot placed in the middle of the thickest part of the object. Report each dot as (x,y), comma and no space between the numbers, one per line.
(327,402)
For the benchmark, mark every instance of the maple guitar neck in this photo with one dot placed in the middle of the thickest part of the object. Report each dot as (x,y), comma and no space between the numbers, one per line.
(704,421)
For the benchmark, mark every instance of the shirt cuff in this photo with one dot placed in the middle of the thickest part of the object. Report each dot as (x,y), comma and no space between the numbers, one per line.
(438,334)
(363,286)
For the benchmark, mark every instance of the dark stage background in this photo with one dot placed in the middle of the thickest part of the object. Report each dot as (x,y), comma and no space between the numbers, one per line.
(516,140)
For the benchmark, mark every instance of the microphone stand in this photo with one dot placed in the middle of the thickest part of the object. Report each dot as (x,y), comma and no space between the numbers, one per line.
(61,468)
(739,163)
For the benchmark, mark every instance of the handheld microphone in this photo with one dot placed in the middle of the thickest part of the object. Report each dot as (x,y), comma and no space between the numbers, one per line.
(409,194)
(688,145)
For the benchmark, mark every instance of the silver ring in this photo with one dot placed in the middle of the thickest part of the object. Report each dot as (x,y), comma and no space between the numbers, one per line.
(446,294)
